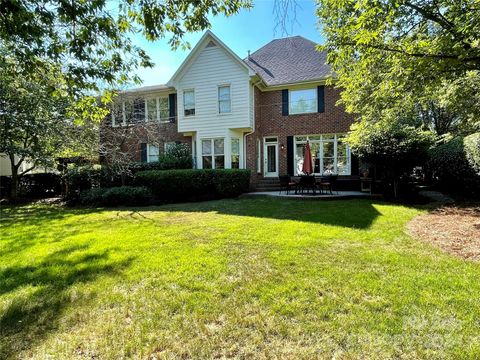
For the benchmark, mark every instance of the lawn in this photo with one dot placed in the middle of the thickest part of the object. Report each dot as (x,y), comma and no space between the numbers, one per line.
(250,278)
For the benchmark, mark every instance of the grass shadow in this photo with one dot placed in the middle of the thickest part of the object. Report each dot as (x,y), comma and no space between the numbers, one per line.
(38,293)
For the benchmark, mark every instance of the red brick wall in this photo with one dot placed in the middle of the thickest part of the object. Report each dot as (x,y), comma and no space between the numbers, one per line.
(133,135)
(269,121)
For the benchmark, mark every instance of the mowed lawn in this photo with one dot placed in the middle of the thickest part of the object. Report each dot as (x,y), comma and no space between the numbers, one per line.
(249,278)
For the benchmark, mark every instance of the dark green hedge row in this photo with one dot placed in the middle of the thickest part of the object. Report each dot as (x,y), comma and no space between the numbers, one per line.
(116,196)
(194,185)
(451,169)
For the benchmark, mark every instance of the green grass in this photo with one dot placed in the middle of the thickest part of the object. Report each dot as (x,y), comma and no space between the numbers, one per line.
(251,278)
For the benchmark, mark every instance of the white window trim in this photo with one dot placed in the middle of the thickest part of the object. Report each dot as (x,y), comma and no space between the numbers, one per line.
(212,155)
(166,144)
(157,106)
(290,112)
(232,154)
(148,152)
(194,101)
(335,154)
(218,99)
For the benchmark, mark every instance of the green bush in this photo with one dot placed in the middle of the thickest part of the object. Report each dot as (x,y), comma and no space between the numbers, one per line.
(451,170)
(78,179)
(178,156)
(116,196)
(194,185)
(472,151)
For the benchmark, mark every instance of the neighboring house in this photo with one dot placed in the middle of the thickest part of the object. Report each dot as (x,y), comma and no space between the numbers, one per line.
(255,113)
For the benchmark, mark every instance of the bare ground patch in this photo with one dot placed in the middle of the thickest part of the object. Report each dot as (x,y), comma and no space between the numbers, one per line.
(454,229)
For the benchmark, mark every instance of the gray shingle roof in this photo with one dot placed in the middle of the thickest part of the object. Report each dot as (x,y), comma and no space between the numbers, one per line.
(289,60)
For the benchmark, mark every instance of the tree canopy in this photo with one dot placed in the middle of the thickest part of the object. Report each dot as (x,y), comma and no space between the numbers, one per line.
(407,55)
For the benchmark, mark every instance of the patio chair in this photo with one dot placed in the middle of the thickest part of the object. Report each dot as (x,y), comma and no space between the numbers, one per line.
(306,183)
(327,183)
(286,184)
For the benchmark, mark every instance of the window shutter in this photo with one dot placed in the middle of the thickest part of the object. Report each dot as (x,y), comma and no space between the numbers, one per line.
(321,99)
(143,152)
(172,103)
(285,102)
(290,150)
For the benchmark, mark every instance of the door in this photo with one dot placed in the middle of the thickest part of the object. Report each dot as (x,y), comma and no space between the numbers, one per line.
(270,155)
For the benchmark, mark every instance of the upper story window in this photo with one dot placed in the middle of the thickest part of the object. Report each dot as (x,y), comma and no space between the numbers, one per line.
(224,101)
(158,109)
(138,110)
(302,101)
(189,102)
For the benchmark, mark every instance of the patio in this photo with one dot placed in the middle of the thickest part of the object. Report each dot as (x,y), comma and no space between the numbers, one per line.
(335,196)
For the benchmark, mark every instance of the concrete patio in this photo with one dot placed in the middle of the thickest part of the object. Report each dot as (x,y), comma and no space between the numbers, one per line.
(317,196)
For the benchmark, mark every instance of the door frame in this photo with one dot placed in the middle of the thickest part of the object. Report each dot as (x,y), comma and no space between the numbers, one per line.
(266,144)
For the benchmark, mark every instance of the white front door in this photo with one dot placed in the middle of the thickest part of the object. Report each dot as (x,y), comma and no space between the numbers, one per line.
(270,157)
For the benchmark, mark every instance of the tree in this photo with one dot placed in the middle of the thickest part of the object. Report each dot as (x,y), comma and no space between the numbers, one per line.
(34,122)
(394,146)
(91,39)
(422,52)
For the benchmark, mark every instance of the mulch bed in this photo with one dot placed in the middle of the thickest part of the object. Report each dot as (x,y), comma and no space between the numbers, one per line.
(454,229)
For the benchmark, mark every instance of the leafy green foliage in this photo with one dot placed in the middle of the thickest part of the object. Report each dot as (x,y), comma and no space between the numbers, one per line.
(81,178)
(472,151)
(451,170)
(92,39)
(193,184)
(419,57)
(116,196)
(177,156)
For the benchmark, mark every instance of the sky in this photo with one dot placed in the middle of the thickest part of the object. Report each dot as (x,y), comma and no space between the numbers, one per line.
(247,30)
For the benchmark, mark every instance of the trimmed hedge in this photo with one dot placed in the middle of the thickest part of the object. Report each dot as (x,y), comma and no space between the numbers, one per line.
(116,196)
(38,185)
(79,179)
(451,170)
(194,185)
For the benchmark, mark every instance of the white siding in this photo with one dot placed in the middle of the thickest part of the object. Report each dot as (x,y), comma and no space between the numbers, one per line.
(213,67)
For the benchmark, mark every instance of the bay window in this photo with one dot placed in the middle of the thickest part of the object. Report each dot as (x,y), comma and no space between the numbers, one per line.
(235,156)
(330,154)
(213,154)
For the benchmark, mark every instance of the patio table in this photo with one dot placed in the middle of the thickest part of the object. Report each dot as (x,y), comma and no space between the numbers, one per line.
(306,182)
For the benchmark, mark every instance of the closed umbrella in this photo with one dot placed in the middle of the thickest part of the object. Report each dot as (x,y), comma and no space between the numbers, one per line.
(307,160)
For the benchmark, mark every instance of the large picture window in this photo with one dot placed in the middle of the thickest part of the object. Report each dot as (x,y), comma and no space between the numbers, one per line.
(302,101)
(213,154)
(329,153)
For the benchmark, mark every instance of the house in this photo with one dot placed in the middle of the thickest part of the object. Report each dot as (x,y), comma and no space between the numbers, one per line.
(255,113)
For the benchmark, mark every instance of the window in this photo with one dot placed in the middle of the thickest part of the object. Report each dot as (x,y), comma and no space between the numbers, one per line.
(224,102)
(164,108)
(168,145)
(138,110)
(189,102)
(213,156)
(152,110)
(329,153)
(235,153)
(158,109)
(152,153)
(302,101)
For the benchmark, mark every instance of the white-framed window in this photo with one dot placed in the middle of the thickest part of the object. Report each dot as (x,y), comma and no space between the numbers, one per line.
(152,152)
(259,156)
(158,109)
(189,102)
(213,153)
(302,101)
(330,154)
(138,110)
(224,99)
(168,145)
(235,153)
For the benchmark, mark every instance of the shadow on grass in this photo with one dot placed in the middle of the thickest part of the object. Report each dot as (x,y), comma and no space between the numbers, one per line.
(356,213)
(36,295)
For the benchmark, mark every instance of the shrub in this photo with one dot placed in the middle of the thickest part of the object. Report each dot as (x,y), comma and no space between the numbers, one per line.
(194,185)
(79,179)
(116,196)
(178,156)
(33,185)
(472,151)
(451,171)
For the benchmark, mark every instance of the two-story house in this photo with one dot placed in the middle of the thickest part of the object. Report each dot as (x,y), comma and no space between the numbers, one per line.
(255,113)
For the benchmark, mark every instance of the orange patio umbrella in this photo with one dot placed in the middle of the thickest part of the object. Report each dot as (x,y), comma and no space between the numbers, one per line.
(307,160)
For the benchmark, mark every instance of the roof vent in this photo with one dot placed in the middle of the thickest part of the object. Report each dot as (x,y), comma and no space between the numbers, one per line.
(211,44)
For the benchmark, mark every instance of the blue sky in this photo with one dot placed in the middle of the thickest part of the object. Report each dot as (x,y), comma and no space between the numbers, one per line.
(248,30)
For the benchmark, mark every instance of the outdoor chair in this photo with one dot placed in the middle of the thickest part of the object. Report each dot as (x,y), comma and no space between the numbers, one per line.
(306,183)
(286,184)
(327,183)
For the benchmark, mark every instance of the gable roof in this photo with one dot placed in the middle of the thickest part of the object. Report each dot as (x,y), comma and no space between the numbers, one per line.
(206,39)
(290,60)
